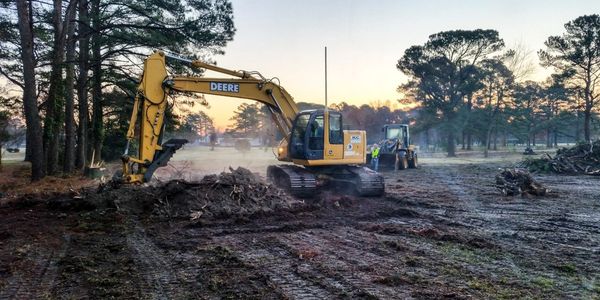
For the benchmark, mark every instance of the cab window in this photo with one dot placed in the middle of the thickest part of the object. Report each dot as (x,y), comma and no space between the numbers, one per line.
(336,133)
(395,133)
(315,140)
(297,144)
(300,127)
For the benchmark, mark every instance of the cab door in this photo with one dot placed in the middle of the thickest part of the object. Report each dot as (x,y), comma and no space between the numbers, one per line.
(298,143)
(334,136)
(315,136)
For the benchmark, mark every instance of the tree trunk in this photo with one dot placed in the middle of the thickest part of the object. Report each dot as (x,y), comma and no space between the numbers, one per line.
(54,104)
(495,138)
(488,136)
(97,124)
(462,146)
(468,130)
(27,148)
(427,139)
(469,141)
(529,135)
(82,93)
(69,154)
(586,124)
(578,127)
(32,118)
(451,144)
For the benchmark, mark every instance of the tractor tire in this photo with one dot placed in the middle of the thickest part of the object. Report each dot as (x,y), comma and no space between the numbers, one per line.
(414,162)
(401,162)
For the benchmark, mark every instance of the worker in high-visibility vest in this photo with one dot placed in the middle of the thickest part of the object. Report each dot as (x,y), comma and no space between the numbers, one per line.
(375,157)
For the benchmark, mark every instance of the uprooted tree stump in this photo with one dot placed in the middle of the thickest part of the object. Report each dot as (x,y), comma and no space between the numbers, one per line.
(512,182)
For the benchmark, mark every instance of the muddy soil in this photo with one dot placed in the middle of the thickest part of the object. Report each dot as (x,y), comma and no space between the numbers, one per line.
(441,231)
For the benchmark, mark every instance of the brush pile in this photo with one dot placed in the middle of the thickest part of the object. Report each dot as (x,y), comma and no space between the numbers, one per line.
(581,159)
(513,182)
(238,192)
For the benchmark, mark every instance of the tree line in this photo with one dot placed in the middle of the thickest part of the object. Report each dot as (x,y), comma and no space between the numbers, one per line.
(474,90)
(471,88)
(72,65)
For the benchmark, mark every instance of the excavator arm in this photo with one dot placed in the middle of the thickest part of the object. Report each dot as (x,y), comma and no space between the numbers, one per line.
(151,103)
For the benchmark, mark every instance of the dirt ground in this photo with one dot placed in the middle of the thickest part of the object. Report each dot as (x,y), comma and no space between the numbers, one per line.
(441,231)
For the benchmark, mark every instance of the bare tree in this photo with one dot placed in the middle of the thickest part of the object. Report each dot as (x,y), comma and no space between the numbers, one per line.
(519,60)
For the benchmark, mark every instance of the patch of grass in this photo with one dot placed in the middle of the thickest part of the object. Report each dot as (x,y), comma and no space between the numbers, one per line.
(501,289)
(459,253)
(597,289)
(512,294)
(411,261)
(544,282)
(568,268)
(482,285)
(453,271)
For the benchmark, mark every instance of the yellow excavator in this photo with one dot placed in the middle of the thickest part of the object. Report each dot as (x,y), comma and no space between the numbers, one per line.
(320,151)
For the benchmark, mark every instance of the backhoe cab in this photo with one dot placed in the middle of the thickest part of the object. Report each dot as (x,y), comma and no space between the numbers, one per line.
(395,149)
(322,152)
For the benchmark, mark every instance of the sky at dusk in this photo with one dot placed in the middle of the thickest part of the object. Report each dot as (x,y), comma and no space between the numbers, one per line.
(365,39)
(285,39)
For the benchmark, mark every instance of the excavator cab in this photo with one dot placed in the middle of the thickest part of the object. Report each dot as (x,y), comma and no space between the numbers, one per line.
(309,131)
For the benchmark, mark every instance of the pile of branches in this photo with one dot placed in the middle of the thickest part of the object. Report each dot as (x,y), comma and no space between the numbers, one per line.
(238,192)
(583,158)
(513,182)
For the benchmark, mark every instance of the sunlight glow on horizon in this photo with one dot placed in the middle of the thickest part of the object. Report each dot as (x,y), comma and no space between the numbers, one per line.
(285,39)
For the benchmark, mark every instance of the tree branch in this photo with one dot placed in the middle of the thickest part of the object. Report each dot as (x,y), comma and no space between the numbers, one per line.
(11,79)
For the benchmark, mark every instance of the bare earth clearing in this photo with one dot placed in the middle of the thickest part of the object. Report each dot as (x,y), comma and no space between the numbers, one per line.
(441,231)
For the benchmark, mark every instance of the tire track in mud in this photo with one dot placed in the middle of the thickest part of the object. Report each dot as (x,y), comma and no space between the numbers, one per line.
(38,279)
(528,215)
(321,263)
(154,267)
(344,254)
(277,264)
(535,241)
(183,265)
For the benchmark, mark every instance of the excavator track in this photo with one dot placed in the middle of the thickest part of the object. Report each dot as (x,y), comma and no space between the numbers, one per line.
(296,180)
(301,182)
(368,182)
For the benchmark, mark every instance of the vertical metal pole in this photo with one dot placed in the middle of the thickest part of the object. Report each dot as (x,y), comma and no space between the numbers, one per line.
(325,77)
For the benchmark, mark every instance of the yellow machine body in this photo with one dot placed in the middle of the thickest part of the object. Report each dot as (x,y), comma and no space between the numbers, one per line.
(151,103)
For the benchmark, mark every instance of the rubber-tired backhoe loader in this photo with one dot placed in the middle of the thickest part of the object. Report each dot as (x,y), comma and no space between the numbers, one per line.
(320,151)
(395,149)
